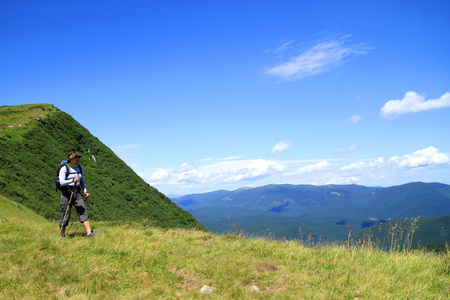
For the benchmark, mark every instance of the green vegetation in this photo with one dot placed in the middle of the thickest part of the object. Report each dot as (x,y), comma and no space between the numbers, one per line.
(133,260)
(33,141)
(327,212)
(408,233)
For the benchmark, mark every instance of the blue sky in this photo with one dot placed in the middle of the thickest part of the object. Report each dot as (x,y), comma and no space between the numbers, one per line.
(198,96)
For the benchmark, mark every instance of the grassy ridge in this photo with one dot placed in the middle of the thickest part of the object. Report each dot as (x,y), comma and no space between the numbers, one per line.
(134,260)
(33,141)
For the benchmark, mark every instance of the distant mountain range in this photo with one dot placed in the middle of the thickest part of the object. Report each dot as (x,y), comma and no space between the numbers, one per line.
(328,212)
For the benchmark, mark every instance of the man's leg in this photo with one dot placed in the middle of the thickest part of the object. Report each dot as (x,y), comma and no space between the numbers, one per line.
(87,226)
(63,230)
(83,215)
(65,212)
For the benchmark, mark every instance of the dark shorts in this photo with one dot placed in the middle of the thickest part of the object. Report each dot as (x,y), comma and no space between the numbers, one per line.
(77,201)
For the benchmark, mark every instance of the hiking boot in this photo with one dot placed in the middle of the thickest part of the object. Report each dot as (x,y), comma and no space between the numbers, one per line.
(90,234)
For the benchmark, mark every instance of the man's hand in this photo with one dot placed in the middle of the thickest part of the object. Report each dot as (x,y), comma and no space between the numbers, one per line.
(87,195)
(76,179)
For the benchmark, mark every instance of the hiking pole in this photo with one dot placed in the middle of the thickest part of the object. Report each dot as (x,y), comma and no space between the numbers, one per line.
(68,229)
(64,219)
(73,221)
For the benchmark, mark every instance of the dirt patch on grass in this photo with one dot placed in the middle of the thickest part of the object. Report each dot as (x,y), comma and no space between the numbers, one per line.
(269,268)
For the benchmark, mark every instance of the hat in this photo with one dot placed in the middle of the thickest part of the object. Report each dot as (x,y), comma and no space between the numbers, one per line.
(73,154)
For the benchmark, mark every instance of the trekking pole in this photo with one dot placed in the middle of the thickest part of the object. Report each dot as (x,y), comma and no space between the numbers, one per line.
(64,219)
(68,229)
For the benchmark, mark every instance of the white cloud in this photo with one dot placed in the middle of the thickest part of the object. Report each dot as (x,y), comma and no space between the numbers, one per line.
(426,157)
(186,167)
(346,150)
(258,168)
(421,165)
(314,168)
(161,175)
(216,173)
(364,166)
(282,146)
(320,58)
(355,119)
(412,102)
(231,158)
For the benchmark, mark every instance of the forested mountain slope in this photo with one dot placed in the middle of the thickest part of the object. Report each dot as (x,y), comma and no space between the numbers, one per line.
(329,211)
(33,141)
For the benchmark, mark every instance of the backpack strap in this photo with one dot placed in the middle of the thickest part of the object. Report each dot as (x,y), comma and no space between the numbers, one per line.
(67,170)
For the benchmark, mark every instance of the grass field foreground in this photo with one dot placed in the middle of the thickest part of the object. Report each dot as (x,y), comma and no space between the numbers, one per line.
(136,261)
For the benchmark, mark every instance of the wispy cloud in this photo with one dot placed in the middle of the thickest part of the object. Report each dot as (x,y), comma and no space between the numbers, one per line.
(129,153)
(283,47)
(345,150)
(314,168)
(206,159)
(320,58)
(363,166)
(128,147)
(282,146)
(231,158)
(412,102)
(354,119)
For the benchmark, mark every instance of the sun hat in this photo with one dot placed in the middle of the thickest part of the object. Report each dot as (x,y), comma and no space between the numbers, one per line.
(73,154)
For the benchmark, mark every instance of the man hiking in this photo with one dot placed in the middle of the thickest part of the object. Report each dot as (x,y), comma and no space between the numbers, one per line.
(72,186)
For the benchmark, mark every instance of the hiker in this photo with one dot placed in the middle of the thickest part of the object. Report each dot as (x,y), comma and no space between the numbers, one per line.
(72,186)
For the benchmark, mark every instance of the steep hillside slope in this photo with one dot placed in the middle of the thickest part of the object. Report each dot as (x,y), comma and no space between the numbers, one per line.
(33,141)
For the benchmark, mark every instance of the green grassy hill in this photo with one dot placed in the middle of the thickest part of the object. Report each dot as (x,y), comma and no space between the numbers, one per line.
(33,141)
(132,260)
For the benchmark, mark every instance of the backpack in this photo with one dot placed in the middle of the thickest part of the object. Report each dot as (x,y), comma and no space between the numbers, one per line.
(63,164)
